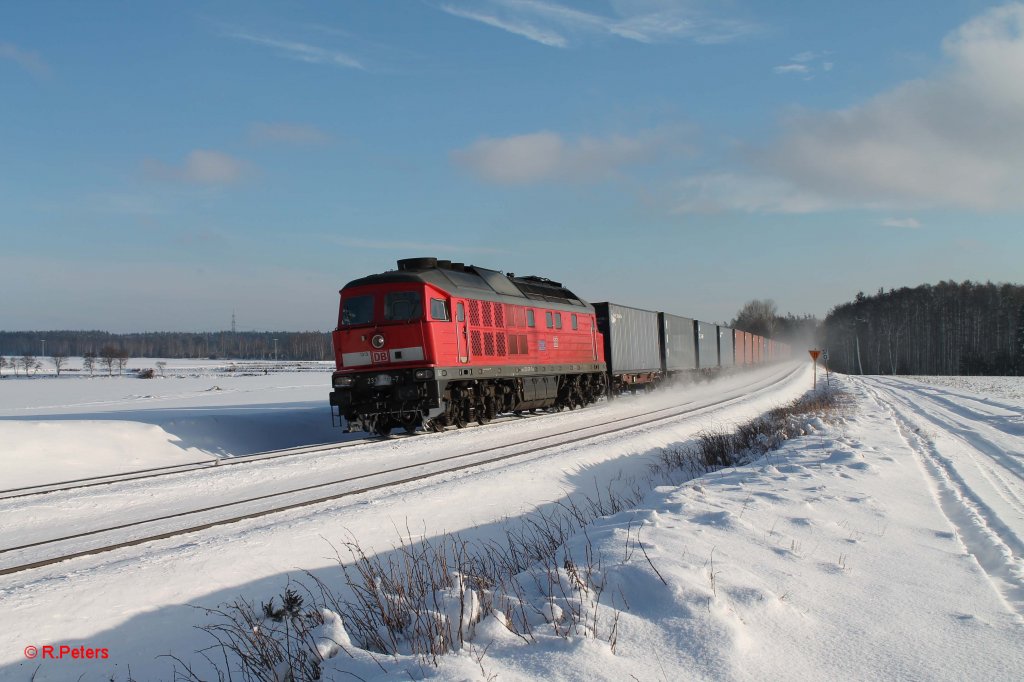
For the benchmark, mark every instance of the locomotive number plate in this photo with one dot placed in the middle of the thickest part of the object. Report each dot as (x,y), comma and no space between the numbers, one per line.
(379,356)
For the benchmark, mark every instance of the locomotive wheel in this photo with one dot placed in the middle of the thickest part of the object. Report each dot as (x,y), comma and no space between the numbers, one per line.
(459,415)
(410,420)
(485,411)
(382,426)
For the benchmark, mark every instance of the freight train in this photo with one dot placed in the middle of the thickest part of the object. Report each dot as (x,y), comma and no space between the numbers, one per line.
(436,344)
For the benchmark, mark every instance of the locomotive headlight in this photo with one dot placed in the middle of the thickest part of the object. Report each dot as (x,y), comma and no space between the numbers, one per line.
(424,374)
(342,382)
(377,341)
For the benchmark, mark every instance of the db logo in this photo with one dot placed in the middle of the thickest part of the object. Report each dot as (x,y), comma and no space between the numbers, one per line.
(379,356)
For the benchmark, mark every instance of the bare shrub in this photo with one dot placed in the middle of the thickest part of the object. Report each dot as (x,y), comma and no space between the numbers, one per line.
(424,599)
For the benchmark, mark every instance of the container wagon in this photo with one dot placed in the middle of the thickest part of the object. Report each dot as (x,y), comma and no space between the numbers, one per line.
(632,346)
(678,343)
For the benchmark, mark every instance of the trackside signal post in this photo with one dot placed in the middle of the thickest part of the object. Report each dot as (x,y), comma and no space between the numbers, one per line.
(814,358)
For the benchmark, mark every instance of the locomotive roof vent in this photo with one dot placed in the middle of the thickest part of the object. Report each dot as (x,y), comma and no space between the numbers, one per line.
(417,264)
(541,280)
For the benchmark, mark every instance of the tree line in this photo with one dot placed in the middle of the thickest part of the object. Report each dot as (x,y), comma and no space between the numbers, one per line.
(947,328)
(185,345)
(761,317)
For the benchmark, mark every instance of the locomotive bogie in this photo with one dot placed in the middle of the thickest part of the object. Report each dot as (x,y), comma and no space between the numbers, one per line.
(456,396)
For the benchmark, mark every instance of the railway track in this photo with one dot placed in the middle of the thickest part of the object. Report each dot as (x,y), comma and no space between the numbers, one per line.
(187,467)
(96,541)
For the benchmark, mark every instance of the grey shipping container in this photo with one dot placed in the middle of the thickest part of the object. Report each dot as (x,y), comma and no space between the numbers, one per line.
(726,347)
(707,345)
(631,339)
(678,342)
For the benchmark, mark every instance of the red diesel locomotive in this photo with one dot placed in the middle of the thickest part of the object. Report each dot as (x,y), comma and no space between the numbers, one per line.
(437,343)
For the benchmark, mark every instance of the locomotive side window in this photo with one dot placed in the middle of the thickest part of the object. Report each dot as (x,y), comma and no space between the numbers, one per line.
(575,324)
(357,310)
(558,320)
(400,306)
(438,309)
(529,318)
(547,319)
(461,312)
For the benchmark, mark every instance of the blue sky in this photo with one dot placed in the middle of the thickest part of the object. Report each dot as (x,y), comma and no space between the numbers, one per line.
(165,164)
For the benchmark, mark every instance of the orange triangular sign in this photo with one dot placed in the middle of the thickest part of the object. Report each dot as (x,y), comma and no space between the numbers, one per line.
(814,354)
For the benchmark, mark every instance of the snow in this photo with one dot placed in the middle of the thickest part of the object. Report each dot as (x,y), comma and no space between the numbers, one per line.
(983,387)
(885,545)
(200,411)
(831,558)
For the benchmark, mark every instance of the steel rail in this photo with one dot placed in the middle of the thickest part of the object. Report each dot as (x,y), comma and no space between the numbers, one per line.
(188,467)
(184,467)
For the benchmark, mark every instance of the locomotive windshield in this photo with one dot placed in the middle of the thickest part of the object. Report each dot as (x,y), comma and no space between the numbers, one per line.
(357,310)
(400,306)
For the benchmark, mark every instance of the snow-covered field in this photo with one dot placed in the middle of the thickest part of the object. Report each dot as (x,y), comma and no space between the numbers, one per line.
(199,410)
(887,545)
(989,387)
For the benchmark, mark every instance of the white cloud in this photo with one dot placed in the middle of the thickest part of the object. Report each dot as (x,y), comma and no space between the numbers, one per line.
(303,52)
(289,133)
(547,156)
(512,25)
(950,140)
(804,64)
(905,223)
(791,68)
(556,25)
(718,192)
(30,61)
(202,167)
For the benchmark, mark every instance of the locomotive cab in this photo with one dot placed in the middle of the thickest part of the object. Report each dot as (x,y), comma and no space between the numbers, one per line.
(385,355)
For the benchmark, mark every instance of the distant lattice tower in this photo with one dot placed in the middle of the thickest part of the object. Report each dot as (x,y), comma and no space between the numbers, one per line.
(233,322)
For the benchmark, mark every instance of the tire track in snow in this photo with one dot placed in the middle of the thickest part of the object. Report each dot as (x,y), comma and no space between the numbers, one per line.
(993,456)
(967,424)
(995,547)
